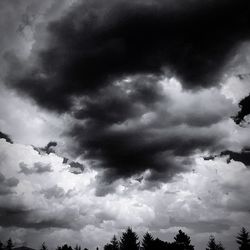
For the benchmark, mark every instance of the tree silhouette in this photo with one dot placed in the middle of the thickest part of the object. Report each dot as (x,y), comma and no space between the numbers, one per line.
(44,247)
(108,247)
(212,245)
(9,245)
(243,239)
(65,247)
(129,240)
(147,241)
(182,241)
(77,247)
(113,245)
(159,245)
(1,245)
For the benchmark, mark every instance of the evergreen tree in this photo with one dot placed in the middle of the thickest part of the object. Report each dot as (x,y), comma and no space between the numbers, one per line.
(159,245)
(77,247)
(220,246)
(115,243)
(9,245)
(44,247)
(212,245)
(182,241)
(243,239)
(64,247)
(147,241)
(129,240)
(1,245)
(108,247)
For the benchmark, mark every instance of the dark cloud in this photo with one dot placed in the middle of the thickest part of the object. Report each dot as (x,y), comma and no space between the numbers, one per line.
(49,148)
(37,168)
(242,156)
(103,63)
(98,42)
(7,184)
(22,217)
(244,110)
(6,137)
(76,167)
(139,136)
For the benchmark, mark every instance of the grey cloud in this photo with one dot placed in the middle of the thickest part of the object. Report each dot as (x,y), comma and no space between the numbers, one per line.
(202,226)
(86,52)
(7,184)
(126,135)
(76,167)
(55,192)
(49,148)
(15,217)
(102,64)
(38,168)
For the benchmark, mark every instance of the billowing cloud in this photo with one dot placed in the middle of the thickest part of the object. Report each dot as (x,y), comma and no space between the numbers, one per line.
(106,70)
(145,123)
(244,110)
(7,185)
(132,92)
(211,199)
(120,38)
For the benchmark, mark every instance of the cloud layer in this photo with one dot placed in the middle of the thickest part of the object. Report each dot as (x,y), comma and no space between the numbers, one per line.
(58,205)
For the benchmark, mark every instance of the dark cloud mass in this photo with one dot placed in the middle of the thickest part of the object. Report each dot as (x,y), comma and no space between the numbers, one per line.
(97,42)
(103,64)
(242,156)
(126,133)
(20,216)
(49,148)
(6,137)
(244,110)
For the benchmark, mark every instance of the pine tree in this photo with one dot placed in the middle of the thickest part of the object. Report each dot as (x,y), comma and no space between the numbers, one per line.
(115,243)
(108,247)
(44,247)
(1,245)
(9,245)
(147,242)
(220,246)
(212,245)
(182,241)
(77,247)
(243,239)
(129,240)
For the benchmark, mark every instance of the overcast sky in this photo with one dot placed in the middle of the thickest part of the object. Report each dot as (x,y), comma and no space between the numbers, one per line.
(124,113)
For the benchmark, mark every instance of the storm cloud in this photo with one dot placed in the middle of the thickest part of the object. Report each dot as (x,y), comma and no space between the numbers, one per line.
(6,137)
(104,64)
(244,105)
(97,42)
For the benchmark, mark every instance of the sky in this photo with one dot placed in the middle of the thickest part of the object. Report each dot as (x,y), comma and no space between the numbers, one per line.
(124,113)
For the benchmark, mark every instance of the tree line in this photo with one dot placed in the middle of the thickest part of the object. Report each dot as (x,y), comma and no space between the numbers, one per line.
(129,240)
